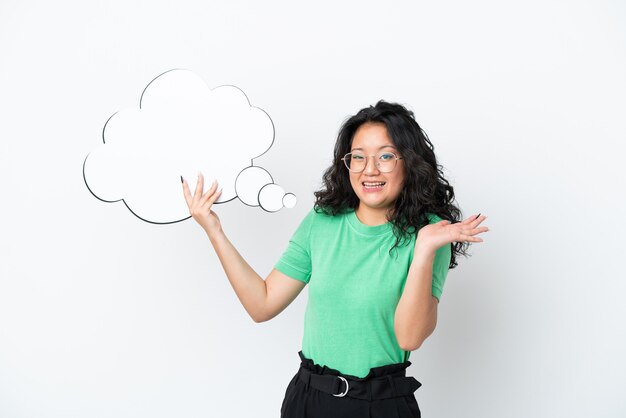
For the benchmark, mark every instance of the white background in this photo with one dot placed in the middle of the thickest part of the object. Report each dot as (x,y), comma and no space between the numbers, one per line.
(103,315)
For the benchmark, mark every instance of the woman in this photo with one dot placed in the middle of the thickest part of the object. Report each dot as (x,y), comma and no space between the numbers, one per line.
(375,251)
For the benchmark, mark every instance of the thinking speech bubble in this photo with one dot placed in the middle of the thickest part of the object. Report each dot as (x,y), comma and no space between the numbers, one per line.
(183,127)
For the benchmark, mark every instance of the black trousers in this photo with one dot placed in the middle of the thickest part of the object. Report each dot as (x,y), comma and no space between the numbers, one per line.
(316,392)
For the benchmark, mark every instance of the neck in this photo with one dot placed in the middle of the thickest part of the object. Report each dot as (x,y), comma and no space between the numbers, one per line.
(371,216)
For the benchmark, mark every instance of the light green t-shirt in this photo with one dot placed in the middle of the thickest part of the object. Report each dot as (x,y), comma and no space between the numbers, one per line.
(354,288)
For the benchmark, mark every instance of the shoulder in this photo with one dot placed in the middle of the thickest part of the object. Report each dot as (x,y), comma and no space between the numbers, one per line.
(315,218)
(432,218)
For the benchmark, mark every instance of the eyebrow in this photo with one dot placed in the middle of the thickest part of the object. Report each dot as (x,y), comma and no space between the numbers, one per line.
(384,146)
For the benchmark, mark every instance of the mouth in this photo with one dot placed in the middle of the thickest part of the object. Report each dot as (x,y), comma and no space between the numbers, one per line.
(372,186)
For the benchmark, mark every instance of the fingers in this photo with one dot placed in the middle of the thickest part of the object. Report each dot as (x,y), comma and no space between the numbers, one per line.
(210,197)
(209,193)
(207,199)
(468,235)
(474,221)
(474,231)
(199,186)
(469,238)
(200,200)
(467,232)
(474,218)
(186,192)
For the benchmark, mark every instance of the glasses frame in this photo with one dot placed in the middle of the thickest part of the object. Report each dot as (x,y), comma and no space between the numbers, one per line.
(376,163)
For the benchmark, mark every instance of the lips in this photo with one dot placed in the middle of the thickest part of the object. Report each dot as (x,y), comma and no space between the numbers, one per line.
(373,185)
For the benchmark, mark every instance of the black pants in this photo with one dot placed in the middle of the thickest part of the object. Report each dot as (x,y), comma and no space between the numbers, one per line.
(391,397)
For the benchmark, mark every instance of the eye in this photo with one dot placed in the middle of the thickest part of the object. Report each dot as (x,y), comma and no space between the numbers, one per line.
(358,157)
(387,156)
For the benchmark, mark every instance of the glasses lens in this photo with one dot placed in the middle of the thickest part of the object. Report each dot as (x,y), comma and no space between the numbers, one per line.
(355,161)
(386,161)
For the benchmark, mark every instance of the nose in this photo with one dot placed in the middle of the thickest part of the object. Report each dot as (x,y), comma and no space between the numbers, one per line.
(370,168)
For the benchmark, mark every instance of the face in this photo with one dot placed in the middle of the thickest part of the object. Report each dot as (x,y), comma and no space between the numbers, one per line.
(370,139)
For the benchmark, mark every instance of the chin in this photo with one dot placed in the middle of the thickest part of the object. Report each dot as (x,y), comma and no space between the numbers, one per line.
(376,204)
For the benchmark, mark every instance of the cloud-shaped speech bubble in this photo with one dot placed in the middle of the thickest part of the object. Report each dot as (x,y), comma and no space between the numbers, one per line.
(183,127)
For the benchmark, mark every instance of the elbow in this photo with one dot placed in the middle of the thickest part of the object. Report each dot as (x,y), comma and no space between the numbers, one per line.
(413,341)
(262,316)
(410,345)
(259,318)
(410,338)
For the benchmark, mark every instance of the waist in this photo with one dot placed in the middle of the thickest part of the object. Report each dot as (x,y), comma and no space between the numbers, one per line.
(382,382)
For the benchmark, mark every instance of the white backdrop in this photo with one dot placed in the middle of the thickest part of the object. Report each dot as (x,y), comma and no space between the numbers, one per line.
(103,315)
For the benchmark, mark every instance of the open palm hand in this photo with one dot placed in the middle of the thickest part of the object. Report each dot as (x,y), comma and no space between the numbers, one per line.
(437,235)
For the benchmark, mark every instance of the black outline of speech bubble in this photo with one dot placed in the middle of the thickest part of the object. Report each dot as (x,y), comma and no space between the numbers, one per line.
(140,100)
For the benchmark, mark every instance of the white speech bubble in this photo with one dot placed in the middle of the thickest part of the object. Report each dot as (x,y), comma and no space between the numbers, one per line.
(249,183)
(271,197)
(289,200)
(182,127)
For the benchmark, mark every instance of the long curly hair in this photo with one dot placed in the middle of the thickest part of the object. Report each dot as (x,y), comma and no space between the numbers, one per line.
(425,188)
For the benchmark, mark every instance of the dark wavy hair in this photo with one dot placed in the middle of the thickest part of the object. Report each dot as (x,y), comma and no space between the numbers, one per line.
(425,188)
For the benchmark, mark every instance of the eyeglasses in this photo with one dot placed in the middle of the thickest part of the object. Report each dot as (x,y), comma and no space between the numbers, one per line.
(385,161)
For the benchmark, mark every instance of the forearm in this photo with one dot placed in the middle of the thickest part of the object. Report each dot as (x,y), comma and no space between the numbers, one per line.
(248,285)
(416,314)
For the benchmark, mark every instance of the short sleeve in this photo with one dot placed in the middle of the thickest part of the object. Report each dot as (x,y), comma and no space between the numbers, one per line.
(296,259)
(441,264)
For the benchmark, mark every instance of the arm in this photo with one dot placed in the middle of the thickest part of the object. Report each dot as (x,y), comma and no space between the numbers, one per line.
(416,314)
(262,299)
